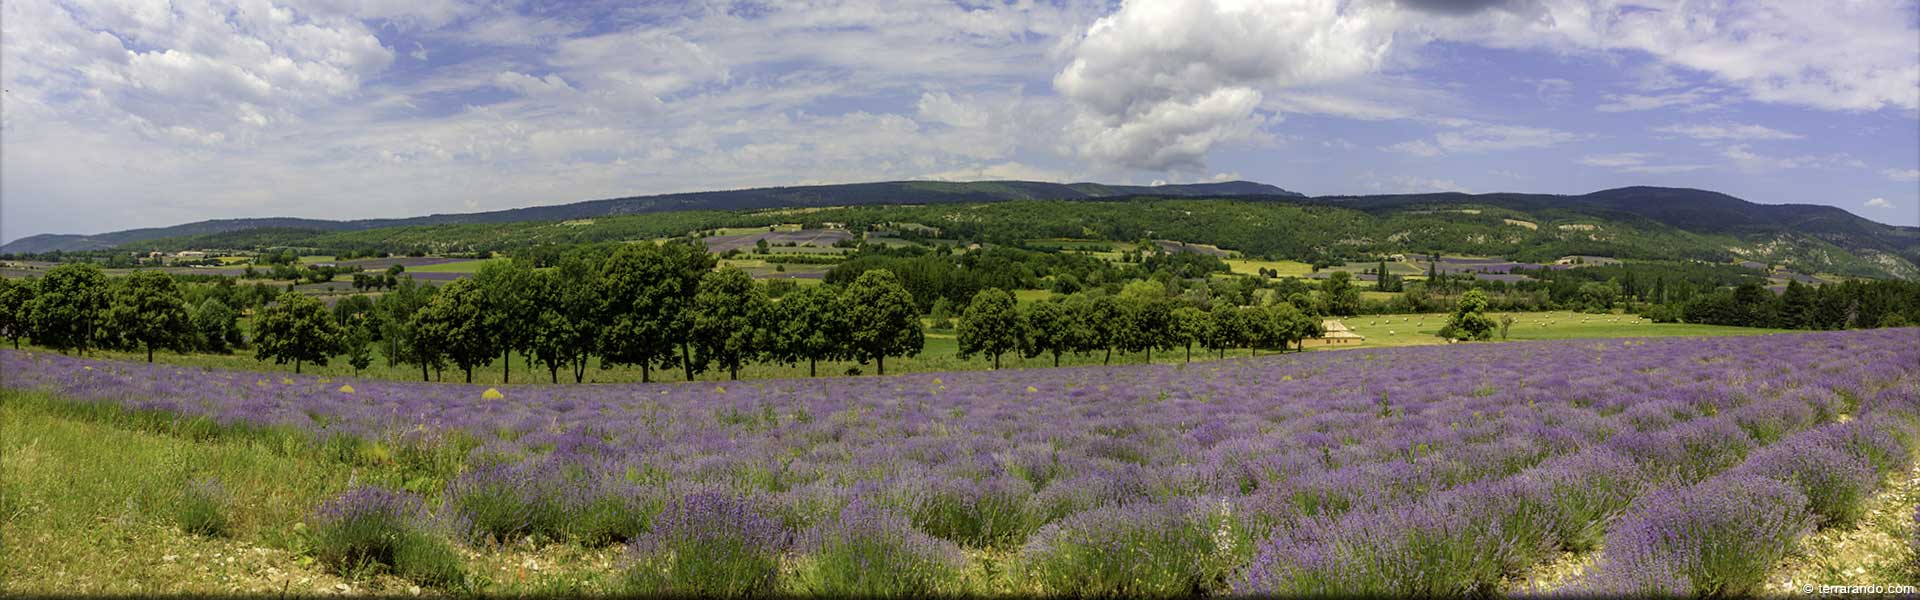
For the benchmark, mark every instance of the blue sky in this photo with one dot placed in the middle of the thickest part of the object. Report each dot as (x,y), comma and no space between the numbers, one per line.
(128,114)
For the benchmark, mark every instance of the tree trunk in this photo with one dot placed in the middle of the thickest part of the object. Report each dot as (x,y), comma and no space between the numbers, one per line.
(733,372)
(686,358)
(296,366)
(469,371)
(506,360)
(1109,358)
(553,373)
(149,352)
(996,362)
(880,363)
(813,367)
(646,372)
(423,373)
(1149,354)
(1189,351)
(1056,358)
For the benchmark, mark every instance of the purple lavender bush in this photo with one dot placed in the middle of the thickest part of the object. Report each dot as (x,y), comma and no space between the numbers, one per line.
(1182,547)
(1462,542)
(1347,471)
(372,529)
(1836,484)
(1718,538)
(869,551)
(709,544)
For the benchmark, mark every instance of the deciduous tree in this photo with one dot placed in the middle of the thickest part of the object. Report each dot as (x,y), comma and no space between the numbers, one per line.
(296,328)
(811,326)
(70,306)
(456,322)
(149,311)
(1469,320)
(882,318)
(1048,330)
(507,285)
(729,314)
(16,308)
(1190,326)
(990,325)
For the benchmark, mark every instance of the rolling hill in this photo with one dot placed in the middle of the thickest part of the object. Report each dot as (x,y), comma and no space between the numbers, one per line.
(1259,219)
(853,194)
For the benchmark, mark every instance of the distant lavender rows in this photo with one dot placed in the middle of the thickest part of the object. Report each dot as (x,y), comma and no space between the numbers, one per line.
(1411,470)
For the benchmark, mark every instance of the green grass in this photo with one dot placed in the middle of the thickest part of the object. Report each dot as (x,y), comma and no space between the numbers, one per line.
(1031,296)
(463,266)
(315,259)
(89,504)
(1287,268)
(1422,329)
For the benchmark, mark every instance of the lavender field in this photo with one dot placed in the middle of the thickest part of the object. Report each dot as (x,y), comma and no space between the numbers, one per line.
(1681,466)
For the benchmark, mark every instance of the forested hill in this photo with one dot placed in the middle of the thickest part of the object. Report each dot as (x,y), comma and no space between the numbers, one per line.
(852,194)
(1770,232)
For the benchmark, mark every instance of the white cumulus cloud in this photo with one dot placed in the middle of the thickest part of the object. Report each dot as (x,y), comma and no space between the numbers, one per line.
(1158,84)
(1879,203)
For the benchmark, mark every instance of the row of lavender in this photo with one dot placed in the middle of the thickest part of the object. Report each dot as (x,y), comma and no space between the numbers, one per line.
(1436,470)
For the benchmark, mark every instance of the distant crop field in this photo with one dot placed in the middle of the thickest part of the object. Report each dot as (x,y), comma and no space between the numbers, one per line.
(1287,268)
(1423,329)
(454,266)
(1579,466)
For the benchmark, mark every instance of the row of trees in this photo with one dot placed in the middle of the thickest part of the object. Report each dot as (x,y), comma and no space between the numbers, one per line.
(1142,318)
(77,307)
(652,306)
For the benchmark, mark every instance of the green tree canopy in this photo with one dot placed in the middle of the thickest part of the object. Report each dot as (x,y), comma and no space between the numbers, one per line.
(456,322)
(508,286)
(729,314)
(1469,320)
(567,328)
(296,328)
(216,327)
(639,291)
(882,317)
(1048,329)
(1190,326)
(811,326)
(1226,328)
(1339,294)
(150,311)
(1146,318)
(16,308)
(990,325)
(70,307)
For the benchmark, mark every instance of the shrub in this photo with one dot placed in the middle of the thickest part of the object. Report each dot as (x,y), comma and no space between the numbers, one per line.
(1183,547)
(1587,490)
(1872,440)
(372,528)
(975,513)
(1836,485)
(202,508)
(612,513)
(1465,541)
(1717,538)
(870,551)
(1687,453)
(709,543)
(501,502)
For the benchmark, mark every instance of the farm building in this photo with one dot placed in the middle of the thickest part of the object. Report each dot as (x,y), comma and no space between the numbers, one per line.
(1336,334)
